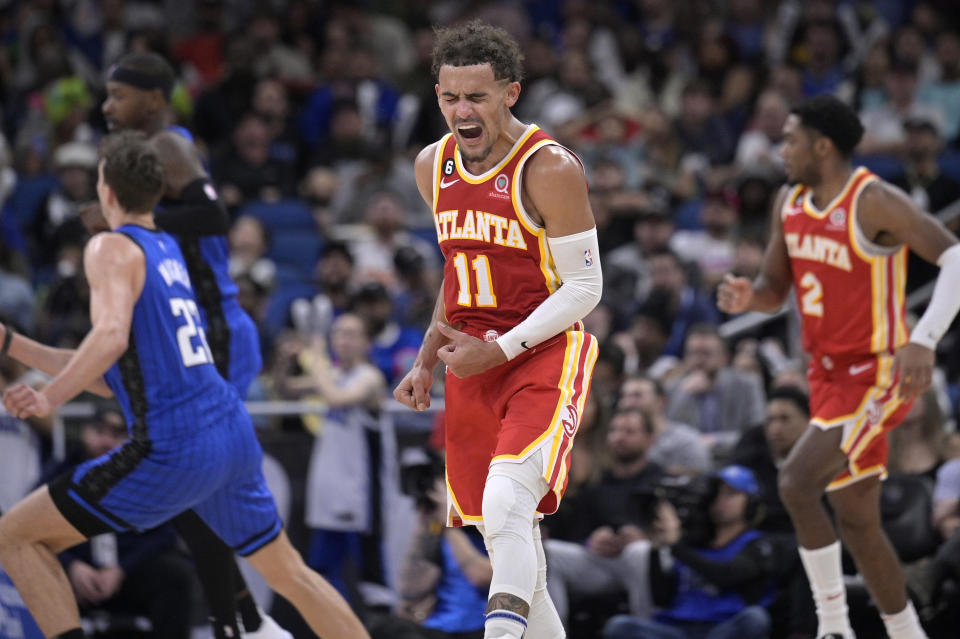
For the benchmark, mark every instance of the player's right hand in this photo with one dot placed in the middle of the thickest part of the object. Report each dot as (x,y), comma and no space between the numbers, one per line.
(413,390)
(734,294)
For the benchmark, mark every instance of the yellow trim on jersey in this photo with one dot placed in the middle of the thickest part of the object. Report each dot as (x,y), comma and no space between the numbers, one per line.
(456,506)
(899,290)
(852,223)
(547,267)
(788,203)
(881,334)
(837,484)
(809,208)
(571,367)
(554,458)
(882,384)
(437,177)
(499,167)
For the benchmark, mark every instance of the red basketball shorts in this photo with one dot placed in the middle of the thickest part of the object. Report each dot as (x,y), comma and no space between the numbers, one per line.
(530,405)
(859,395)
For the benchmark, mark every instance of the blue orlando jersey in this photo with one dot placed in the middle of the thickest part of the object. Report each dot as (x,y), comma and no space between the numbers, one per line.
(167,370)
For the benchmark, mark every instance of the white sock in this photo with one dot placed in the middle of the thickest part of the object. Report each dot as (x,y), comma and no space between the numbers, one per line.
(904,624)
(825,573)
(503,624)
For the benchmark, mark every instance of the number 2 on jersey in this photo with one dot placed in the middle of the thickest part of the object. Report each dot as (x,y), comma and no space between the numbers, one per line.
(811,301)
(481,266)
(191,355)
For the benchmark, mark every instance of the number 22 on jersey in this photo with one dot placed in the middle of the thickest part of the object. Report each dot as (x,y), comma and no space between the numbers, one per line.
(192,355)
(481,266)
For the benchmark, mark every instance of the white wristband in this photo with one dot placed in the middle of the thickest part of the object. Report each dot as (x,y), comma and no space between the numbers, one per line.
(944,304)
(577,259)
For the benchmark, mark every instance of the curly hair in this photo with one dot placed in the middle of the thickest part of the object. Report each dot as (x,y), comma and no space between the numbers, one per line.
(477,42)
(133,170)
(831,118)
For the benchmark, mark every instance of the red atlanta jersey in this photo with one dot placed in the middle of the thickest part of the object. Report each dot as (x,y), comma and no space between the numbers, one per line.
(850,291)
(498,266)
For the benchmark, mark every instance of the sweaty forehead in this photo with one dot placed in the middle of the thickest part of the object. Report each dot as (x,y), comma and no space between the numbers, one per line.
(473,78)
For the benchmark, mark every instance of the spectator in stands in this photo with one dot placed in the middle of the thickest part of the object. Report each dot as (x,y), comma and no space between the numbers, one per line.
(131,573)
(64,317)
(717,400)
(17,299)
(271,103)
(944,92)
(757,149)
(677,447)
(249,241)
(443,580)
(627,268)
(685,304)
(417,288)
(246,170)
(705,138)
(821,45)
(386,220)
(714,587)
(918,444)
(394,345)
(352,469)
(928,187)
(605,551)
(712,247)
(334,275)
(272,56)
(884,131)
(764,448)
(57,223)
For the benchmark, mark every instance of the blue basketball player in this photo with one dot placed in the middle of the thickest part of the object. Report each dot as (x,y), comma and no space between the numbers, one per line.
(191,444)
(138,98)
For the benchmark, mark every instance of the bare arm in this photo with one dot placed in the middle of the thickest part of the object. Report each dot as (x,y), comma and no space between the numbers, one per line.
(555,192)
(115,270)
(48,359)
(181,163)
(475,565)
(946,516)
(365,388)
(889,217)
(769,290)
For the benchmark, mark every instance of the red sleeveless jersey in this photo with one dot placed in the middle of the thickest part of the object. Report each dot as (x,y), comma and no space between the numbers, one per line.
(850,291)
(498,266)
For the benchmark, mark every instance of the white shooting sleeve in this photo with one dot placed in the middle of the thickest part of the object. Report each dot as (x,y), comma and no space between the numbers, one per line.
(944,304)
(577,259)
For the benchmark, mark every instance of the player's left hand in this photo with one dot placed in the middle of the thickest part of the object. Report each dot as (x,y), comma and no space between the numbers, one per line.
(915,365)
(21,401)
(110,579)
(465,355)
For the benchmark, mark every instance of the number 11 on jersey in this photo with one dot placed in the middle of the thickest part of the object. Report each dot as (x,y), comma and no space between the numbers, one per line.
(481,266)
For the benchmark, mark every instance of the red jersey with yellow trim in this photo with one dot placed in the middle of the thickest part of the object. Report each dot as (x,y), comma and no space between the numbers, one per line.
(498,267)
(850,291)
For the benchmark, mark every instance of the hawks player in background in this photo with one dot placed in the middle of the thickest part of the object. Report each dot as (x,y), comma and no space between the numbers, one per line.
(522,268)
(840,237)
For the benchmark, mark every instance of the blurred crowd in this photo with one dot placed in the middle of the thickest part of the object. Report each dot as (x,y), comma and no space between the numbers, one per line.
(309,114)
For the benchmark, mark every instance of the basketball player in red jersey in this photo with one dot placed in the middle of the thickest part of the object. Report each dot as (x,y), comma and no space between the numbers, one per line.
(522,269)
(840,237)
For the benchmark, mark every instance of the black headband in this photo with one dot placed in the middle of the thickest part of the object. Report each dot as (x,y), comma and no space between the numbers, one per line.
(141,80)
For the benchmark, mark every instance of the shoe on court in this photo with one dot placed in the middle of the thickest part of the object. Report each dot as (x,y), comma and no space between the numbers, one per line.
(269,629)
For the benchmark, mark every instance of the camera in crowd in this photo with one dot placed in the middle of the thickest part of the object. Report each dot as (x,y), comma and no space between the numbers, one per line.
(690,497)
(419,470)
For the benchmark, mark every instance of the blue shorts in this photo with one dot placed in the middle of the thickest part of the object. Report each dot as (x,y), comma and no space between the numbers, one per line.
(215,471)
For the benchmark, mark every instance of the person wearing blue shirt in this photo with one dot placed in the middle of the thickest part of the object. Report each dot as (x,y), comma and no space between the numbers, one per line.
(715,590)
